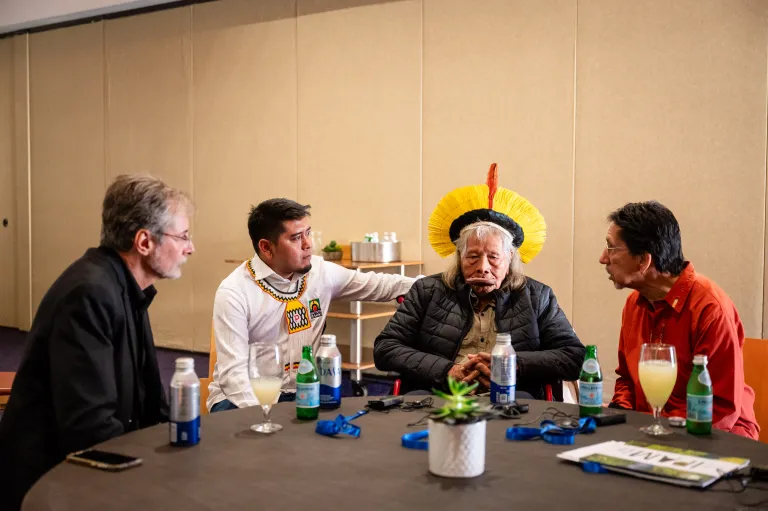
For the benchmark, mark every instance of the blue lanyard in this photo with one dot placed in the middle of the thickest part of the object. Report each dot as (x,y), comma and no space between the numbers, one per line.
(551,432)
(340,425)
(416,440)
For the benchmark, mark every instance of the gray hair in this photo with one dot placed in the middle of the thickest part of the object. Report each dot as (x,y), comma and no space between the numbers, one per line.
(134,202)
(515,278)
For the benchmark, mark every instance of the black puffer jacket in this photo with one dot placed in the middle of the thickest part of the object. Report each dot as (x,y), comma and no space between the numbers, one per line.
(422,339)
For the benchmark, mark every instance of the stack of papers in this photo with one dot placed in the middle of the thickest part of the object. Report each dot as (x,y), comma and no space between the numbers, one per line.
(658,462)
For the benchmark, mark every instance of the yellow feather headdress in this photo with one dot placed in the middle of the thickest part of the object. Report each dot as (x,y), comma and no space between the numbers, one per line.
(469,204)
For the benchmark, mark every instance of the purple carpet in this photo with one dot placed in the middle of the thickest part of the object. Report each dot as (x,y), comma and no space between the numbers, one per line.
(12,351)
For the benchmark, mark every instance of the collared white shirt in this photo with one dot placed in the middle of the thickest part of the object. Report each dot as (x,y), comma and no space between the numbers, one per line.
(245,314)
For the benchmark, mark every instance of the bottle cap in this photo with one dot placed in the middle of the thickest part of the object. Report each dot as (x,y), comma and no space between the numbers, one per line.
(677,422)
(700,360)
(503,339)
(327,340)
(185,363)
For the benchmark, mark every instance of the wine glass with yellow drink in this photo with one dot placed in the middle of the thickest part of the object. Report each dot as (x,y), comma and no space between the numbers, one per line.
(658,373)
(265,371)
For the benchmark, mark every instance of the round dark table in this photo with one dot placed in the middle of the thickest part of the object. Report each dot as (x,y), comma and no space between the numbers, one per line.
(233,468)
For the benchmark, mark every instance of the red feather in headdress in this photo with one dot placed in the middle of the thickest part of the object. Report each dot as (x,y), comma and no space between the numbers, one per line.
(493,184)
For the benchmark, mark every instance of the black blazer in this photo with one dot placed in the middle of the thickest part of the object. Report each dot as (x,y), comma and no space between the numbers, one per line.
(84,378)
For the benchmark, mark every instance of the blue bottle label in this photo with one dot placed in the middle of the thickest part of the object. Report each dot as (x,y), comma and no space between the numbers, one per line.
(502,394)
(307,395)
(185,433)
(699,408)
(591,393)
(503,378)
(330,397)
(329,369)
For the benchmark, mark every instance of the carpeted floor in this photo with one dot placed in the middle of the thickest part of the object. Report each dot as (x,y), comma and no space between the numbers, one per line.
(12,351)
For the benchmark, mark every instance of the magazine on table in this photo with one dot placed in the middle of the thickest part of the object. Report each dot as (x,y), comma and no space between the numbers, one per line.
(658,462)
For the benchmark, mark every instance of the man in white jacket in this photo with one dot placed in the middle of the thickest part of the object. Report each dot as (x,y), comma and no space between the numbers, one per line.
(281,296)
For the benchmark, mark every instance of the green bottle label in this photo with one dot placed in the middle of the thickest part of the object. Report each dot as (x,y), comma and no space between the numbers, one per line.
(590,366)
(705,379)
(307,395)
(306,367)
(591,394)
(699,408)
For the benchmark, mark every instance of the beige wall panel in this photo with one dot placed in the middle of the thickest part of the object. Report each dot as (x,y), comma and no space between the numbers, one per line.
(22,182)
(149,130)
(8,240)
(671,105)
(359,118)
(359,124)
(67,148)
(498,87)
(244,131)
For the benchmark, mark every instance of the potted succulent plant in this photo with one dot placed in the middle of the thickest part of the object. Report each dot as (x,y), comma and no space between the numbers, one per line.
(457,433)
(332,251)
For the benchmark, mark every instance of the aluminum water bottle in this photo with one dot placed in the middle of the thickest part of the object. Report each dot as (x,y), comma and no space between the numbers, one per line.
(503,370)
(328,363)
(185,404)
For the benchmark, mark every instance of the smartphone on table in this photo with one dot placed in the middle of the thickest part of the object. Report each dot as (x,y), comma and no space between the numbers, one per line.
(103,460)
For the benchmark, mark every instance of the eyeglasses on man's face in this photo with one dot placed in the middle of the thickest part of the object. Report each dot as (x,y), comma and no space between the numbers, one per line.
(185,237)
(610,249)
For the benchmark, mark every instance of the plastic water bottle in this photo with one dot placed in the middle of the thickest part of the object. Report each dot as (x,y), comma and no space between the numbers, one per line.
(503,370)
(328,362)
(185,404)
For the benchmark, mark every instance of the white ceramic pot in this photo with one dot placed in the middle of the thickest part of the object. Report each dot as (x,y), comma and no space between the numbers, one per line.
(457,451)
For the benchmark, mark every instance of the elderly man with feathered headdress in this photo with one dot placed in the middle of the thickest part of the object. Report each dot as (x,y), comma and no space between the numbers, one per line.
(448,323)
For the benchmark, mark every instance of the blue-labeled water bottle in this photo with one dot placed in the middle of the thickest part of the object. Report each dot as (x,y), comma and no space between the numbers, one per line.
(328,362)
(590,384)
(307,387)
(185,404)
(700,400)
(503,370)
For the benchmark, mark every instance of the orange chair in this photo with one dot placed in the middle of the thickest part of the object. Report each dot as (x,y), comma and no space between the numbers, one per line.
(755,375)
(6,381)
(204,382)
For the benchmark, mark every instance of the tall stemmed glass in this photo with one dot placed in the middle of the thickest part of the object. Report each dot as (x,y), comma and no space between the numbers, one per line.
(265,369)
(658,373)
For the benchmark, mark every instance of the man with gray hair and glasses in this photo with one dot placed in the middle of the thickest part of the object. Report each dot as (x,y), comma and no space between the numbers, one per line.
(90,369)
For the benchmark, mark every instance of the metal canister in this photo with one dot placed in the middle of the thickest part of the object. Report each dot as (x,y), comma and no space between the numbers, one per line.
(185,404)
(328,363)
(503,370)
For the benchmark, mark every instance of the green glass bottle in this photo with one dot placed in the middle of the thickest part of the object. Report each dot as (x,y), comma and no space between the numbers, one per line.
(698,419)
(307,387)
(590,384)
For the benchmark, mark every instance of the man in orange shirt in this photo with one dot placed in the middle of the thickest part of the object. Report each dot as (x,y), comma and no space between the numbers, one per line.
(672,304)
